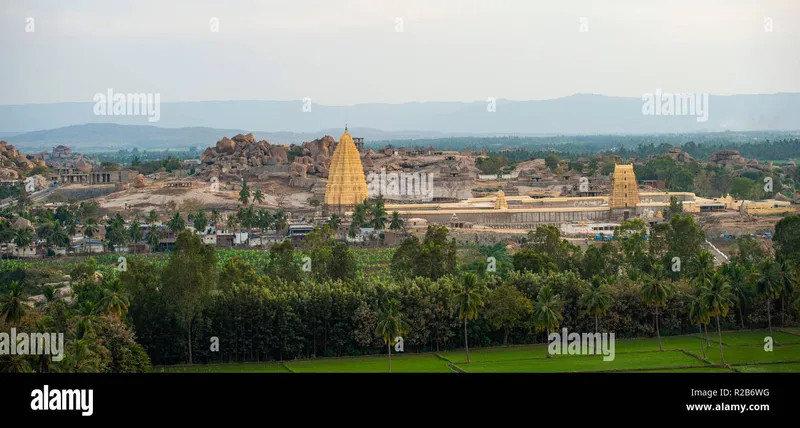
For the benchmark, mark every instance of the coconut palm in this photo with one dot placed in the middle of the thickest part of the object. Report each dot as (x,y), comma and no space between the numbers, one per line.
(390,326)
(23,237)
(152,218)
(50,298)
(90,227)
(135,231)
(378,213)
(200,221)
(15,364)
(232,223)
(769,285)
(360,214)
(176,223)
(215,217)
(654,292)
(244,194)
(114,301)
(737,277)
(280,220)
(396,222)
(335,221)
(597,300)
(57,236)
(788,280)
(468,299)
(698,313)
(258,197)
(12,304)
(548,312)
(701,267)
(717,297)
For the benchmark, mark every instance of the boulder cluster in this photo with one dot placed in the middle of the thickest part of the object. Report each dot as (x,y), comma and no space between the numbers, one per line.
(244,152)
(11,158)
(316,159)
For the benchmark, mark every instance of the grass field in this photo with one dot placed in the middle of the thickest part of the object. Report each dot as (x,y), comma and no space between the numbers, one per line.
(743,350)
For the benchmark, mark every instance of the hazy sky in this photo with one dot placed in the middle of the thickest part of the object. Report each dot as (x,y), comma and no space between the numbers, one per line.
(350,51)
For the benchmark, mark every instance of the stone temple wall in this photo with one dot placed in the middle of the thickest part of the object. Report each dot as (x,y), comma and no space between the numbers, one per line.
(510,219)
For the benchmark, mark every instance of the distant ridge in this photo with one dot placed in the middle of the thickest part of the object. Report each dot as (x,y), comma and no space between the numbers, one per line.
(575,114)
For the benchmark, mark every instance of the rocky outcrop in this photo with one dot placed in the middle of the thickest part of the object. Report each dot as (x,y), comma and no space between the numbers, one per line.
(8,174)
(241,153)
(727,159)
(139,181)
(61,152)
(21,223)
(83,166)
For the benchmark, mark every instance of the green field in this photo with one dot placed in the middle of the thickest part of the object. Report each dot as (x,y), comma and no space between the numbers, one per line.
(771,368)
(741,350)
(419,363)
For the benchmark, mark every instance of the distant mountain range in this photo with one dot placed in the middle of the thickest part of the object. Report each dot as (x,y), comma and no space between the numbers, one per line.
(203,123)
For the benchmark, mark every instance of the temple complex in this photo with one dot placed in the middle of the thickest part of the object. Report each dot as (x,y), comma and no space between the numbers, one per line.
(347,186)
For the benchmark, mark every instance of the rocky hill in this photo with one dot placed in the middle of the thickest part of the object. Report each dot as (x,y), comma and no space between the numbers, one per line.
(14,164)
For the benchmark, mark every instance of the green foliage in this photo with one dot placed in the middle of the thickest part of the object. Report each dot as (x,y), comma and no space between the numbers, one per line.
(434,258)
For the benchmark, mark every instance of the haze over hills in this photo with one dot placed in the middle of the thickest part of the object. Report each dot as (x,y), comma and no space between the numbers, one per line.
(577,114)
(203,123)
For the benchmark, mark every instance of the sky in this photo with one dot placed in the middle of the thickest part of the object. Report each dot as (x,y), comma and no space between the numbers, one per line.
(345,52)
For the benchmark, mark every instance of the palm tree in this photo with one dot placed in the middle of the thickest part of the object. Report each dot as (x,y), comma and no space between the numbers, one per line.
(701,266)
(378,214)
(396,222)
(23,237)
(360,214)
(390,326)
(717,297)
(200,222)
(90,227)
(215,217)
(788,283)
(12,304)
(152,218)
(258,197)
(176,223)
(335,221)
(232,223)
(654,292)
(114,302)
(135,231)
(468,300)
(50,298)
(597,300)
(737,277)
(16,364)
(58,236)
(547,312)
(698,313)
(768,284)
(154,237)
(280,221)
(244,194)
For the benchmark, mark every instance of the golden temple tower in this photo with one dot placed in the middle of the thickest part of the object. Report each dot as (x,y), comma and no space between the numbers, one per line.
(624,188)
(500,203)
(346,186)
(624,193)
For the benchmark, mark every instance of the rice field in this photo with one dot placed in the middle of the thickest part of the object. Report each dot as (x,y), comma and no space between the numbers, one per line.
(744,352)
